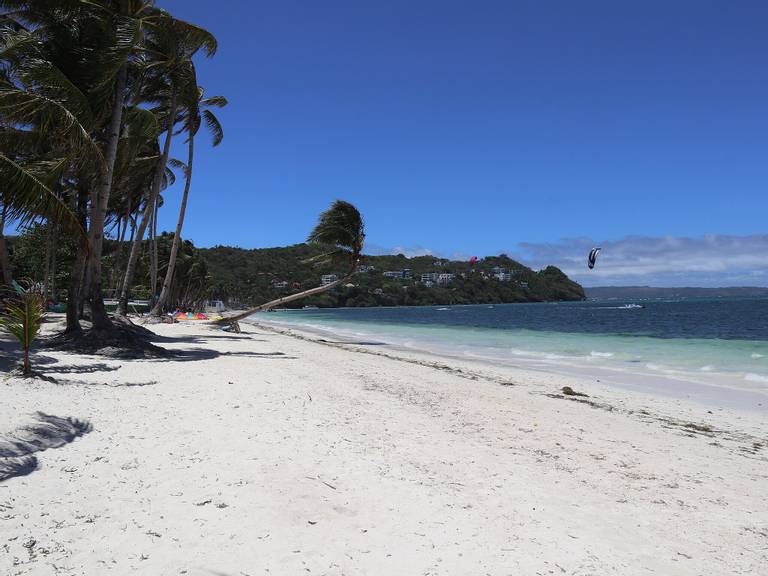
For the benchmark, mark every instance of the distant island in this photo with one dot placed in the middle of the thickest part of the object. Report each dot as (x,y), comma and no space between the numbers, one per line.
(241,277)
(630,292)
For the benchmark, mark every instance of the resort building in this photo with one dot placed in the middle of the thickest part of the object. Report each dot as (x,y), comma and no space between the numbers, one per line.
(404,274)
(431,277)
(280,285)
(328,279)
(363,269)
(444,279)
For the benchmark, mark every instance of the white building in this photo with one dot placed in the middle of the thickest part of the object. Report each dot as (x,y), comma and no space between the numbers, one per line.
(431,277)
(328,279)
(280,285)
(363,269)
(444,279)
(404,274)
(214,307)
(503,276)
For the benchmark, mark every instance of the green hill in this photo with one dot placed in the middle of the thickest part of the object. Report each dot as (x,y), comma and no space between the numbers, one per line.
(249,277)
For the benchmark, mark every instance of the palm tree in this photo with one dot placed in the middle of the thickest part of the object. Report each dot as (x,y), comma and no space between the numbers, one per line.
(170,72)
(22,318)
(340,226)
(71,59)
(194,119)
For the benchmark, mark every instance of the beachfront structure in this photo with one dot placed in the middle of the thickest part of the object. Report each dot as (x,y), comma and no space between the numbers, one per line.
(444,279)
(404,274)
(214,307)
(328,279)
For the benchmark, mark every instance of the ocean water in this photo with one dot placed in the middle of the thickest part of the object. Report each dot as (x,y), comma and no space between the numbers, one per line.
(716,343)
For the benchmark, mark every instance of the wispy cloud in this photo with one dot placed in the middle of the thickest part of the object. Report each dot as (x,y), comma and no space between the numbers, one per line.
(713,260)
(409,251)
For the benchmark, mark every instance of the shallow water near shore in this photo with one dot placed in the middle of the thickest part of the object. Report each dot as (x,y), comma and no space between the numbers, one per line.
(708,349)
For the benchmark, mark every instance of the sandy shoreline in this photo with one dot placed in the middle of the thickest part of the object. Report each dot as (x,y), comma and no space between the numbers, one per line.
(263,453)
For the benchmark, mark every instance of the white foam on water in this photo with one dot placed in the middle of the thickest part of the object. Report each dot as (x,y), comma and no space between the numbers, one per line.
(756,355)
(707,368)
(750,377)
(601,354)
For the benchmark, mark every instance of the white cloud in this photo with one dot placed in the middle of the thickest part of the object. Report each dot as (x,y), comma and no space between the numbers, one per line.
(409,251)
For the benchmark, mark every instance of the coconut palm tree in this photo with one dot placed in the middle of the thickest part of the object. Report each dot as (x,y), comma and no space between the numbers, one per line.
(195,116)
(169,73)
(71,58)
(340,226)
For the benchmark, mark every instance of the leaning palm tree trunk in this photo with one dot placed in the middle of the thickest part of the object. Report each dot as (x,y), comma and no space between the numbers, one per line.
(99,204)
(285,299)
(341,226)
(147,215)
(157,310)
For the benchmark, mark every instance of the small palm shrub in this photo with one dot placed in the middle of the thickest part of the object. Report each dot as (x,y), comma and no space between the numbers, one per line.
(22,318)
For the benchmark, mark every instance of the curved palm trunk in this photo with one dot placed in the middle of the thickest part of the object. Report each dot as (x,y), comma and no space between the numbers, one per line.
(285,299)
(157,309)
(153,255)
(99,203)
(147,215)
(5,262)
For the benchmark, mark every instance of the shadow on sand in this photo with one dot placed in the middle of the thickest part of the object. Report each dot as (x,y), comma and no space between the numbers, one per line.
(196,354)
(17,449)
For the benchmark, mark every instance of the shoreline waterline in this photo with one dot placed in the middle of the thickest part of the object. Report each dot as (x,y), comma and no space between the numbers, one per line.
(690,369)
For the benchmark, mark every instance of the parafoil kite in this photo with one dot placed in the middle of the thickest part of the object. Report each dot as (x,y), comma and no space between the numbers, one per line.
(473,260)
(592,258)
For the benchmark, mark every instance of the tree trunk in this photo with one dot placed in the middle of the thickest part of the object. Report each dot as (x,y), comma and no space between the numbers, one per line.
(5,261)
(285,299)
(130,269)
(99,204)
(74,296)
(157,310)
(53,266)
(47,263)
(154,258)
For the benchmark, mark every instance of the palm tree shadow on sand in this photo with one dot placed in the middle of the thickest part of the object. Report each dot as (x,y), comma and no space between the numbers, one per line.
(18,448)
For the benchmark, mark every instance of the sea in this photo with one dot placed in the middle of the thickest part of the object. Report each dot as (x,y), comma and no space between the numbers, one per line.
(714,350)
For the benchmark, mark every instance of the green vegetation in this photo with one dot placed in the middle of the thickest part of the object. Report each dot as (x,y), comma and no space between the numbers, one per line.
(92,93)
(251,277)
(22,318)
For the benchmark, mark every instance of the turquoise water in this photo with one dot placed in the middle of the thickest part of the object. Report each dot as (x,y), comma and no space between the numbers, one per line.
(714,342)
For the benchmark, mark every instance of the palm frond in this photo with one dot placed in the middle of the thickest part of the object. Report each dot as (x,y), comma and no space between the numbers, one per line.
(214,127)
(24,194)
(342,226)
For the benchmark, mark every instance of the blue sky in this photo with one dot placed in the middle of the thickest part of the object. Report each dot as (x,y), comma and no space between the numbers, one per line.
(471,128)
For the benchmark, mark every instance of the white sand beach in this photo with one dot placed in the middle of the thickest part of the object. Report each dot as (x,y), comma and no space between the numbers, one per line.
(263,453)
